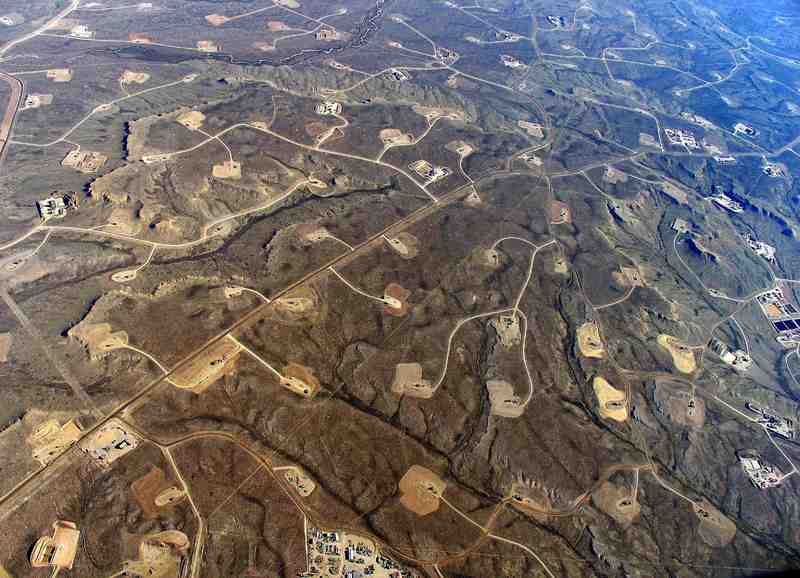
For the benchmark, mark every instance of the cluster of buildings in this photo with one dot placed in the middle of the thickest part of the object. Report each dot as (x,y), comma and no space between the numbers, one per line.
(324,553)
(783,426)
(36,100)
(530,158)
(329,108)
(81,31)
(680,137)
(348,556)
(397,75)
(429,172)
(512,62)
(53,207)
(738,360)
(761,475)
(782,314)
(328,34)
(208,46)
(773,169)
(57,551)
(760,248)
(741,128)
(504,36)
(50,439)
(446,56)
(727,203)
(11,19)
(87,162)
(109,443)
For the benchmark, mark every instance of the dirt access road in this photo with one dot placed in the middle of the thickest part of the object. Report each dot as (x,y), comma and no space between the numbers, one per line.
(11,111)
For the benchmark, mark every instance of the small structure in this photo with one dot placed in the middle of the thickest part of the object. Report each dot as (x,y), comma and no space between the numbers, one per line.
(782,313)
(507,327)
(502,399)
(534,129)
(681,226)
(446,56)
(738,360)
(98,338)
(395,297)
(300,380)
(683,357)
(109,443)
(408,381)
(12,19)
(58,550)
(429,172)
(203,370)
(420,490)
(773,170)
(395,137)
(139,38)
(633,276)
(725,160)
(614,176)
(131,77)
(680,137)
(648,140)
(741,128)
(36,101)
(52,208)
(559,213)
(612,402)
(460,147)
(531,159)
(727,203)
(397,75)
(505,36)
(87,162)
(216,19)
(207,46)
(300,481)
(159,555)
(589,342)
(192,119)
(512,62)
(329,34)
(81,31)
(59,74)
(531,498)
(50,439)
(404,244)
(761,475)
(783,426)
(329,108)
(228,170)
(154,491)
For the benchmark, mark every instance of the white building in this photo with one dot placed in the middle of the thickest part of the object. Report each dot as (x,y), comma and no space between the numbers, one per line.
(52,208)
(761,249)
(329,108)
(81,31)
(761,475)
(727,203)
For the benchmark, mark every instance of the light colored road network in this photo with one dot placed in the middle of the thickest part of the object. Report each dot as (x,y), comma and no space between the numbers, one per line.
(609,56)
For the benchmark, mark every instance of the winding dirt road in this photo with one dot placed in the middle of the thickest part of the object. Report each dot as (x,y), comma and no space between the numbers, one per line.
(11,111)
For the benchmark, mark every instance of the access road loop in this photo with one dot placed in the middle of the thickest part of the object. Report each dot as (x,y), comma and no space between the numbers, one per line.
(345,258)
